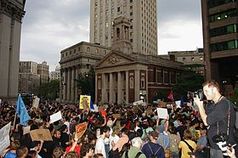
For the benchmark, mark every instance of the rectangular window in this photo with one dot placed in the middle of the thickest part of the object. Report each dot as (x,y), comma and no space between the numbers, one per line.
(166,77)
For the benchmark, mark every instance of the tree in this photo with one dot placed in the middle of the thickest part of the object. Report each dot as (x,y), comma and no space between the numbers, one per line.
(187,81)
(86,83)
(49,90)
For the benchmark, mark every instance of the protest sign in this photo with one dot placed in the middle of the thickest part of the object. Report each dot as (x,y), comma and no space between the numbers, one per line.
(162,113)
(41,134)
(81,128)
(84,102)
(4,137)
(26,130)
(36,102)
(140,102)
(55,117)
(117,116)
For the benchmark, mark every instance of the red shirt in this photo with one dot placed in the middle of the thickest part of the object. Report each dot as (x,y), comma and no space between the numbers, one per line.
(76,149)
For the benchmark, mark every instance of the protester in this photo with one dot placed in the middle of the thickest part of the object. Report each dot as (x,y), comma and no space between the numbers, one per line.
(134,151)
(219,116)
(152,148)
(100,145)
(187,145)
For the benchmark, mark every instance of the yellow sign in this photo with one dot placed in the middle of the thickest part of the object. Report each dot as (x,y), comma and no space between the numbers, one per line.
(84,102)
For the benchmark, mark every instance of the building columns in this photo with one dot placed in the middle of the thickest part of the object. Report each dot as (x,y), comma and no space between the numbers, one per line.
(137,85)
(119,88)
(127,87)
(111,88)
(104,92)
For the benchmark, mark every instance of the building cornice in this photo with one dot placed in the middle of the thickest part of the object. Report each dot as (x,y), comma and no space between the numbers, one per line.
(13,9)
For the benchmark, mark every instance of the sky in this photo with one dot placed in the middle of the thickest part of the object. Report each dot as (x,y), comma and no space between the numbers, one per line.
(50,26)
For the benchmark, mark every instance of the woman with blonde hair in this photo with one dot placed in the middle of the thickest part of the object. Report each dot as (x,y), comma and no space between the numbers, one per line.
(187,145)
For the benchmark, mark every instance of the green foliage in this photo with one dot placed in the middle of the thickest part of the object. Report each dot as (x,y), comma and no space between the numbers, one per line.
(49,90)
(187,81)
(86,83)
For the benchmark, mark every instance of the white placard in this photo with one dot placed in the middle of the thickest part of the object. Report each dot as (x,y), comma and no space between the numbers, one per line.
(140,102)
(178,103)
(36,102)
(26,130)
(4,137)
(162,113)
(55,117)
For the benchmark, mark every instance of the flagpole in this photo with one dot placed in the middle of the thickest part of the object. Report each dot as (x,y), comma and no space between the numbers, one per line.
(14,122)
(15,118)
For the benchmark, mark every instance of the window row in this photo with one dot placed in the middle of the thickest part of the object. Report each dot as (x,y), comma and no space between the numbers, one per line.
(232,28)
(223,15)
(233,44)
(162,76)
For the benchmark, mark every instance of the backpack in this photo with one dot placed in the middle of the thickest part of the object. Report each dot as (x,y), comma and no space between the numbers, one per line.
(154,155)
(137,155)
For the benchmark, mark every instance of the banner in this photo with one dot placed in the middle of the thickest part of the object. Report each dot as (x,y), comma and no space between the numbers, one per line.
(4,137)
(81,128)
(41,134)
(84,102)
(55,117)
(22,112)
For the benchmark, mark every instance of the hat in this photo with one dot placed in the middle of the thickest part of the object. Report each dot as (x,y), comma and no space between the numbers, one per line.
(154,134)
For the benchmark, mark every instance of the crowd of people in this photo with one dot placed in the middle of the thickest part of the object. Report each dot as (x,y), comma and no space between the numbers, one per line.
(135,131)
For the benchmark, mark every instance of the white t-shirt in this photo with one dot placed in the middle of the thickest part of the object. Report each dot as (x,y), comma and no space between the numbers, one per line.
(100,147)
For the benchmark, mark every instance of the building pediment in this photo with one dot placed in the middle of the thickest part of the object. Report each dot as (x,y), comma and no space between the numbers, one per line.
(115,59)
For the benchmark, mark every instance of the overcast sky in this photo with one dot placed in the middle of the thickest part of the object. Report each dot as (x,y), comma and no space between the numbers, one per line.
(52,25)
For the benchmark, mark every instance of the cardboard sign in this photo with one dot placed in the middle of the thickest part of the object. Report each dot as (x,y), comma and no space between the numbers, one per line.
(55,117)
(116,116)
(41,134)
(81,128)
(4,137)
(162,113)
(84,102)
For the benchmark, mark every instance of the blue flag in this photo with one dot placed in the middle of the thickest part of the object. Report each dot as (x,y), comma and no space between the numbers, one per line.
(91,105)
(22,112)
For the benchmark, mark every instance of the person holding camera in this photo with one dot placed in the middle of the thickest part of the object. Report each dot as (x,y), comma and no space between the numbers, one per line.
(219,117)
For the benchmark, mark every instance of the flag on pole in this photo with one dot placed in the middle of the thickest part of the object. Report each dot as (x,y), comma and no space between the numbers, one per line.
(91,105)
(171,96)
(22,112)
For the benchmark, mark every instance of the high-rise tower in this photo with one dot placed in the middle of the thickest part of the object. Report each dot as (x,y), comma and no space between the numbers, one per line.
(220,38)
(142,15)
(11,15)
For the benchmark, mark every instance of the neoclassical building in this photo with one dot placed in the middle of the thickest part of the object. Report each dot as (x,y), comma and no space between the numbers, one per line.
(124,76)
(76,59)
(11,14)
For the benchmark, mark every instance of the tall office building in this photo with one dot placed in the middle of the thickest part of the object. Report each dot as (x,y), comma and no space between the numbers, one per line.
(143,23)
(11,13)
(220,37)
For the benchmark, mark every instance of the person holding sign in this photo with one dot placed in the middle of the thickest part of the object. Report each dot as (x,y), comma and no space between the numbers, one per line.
(74,145)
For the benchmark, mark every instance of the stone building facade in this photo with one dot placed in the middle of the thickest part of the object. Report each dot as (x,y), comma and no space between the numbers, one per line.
(43,71)
(141,13)
(12,12)
(79,58)
(29,80)
(192,60)
(123,78)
